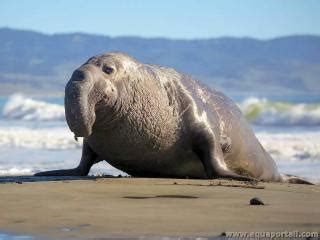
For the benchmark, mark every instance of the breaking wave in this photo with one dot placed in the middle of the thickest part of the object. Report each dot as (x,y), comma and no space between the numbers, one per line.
(267,113)
(20,107)
(261,112)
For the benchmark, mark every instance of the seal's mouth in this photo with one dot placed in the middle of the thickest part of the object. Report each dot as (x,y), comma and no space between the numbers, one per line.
(82,132)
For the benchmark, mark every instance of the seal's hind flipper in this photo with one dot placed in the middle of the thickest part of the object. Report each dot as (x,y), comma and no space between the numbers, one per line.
(294,179)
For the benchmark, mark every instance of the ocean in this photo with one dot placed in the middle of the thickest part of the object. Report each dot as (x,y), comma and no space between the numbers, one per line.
(34,135)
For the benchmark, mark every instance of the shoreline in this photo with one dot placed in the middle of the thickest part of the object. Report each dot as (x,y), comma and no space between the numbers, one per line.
(134,207)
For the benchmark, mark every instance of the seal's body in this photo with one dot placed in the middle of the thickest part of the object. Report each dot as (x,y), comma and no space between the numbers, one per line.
(152,121)
(155,134)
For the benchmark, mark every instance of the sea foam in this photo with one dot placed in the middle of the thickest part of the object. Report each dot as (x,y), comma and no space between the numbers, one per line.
(295,146)
(39,138)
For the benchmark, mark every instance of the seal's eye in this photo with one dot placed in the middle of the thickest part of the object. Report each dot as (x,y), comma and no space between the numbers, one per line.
(107,69)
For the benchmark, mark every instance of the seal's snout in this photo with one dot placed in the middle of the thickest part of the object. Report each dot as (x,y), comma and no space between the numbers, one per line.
(79,105)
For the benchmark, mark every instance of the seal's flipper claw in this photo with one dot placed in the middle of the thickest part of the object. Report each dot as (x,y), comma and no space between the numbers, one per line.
(234,176)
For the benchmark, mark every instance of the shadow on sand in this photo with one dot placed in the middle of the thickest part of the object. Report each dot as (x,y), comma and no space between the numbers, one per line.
(22,179)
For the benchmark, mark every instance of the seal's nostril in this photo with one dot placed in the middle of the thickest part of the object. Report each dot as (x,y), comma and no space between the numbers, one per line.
(78,75)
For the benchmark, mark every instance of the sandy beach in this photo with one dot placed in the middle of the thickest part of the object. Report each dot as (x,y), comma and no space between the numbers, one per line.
(104,207)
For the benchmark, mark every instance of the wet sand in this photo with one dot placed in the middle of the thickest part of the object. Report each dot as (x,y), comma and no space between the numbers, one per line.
(104,207)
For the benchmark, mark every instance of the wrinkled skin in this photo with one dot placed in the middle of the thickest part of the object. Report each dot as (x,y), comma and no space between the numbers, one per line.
(152,121)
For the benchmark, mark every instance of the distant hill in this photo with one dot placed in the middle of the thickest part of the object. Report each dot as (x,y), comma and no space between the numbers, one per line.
(33,62)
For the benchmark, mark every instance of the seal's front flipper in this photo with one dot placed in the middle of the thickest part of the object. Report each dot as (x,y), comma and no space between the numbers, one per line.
(63,172)
(87,160)
(294,179)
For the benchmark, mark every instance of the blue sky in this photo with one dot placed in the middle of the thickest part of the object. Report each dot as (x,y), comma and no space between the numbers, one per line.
(166,18)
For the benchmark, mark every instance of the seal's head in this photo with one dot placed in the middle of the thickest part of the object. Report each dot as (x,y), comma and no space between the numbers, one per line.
(94,88)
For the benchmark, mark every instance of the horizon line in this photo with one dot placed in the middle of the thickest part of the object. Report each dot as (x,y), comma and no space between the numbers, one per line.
(158,37)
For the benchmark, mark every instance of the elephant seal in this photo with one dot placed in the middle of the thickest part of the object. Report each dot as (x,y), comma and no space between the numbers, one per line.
(152,121)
